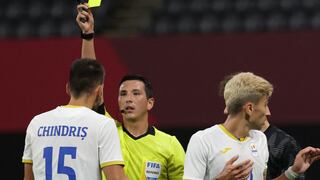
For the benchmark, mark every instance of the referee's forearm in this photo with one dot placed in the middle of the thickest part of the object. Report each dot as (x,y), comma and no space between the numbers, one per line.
(87,50)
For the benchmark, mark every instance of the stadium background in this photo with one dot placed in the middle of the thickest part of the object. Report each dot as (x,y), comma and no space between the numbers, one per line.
(184,46)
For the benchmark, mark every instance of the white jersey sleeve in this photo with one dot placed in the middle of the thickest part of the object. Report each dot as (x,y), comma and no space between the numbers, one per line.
(109,145)
(27,153)
(196,159)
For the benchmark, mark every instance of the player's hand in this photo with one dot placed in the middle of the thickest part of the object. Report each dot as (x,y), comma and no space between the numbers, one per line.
(236,172)
(305,158)
(85,18)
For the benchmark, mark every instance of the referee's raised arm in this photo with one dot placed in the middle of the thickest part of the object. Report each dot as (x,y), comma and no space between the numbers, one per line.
(86,24)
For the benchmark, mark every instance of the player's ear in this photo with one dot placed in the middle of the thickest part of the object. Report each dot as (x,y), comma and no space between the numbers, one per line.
(150,103)
(225,111)
(68,89)
(99,90)
(248,108)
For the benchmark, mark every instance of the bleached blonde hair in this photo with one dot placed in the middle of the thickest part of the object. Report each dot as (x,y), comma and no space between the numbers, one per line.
(245,87)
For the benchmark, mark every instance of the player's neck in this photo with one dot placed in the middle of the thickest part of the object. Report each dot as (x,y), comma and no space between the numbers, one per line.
(81,101)
(137,127)
(236,126)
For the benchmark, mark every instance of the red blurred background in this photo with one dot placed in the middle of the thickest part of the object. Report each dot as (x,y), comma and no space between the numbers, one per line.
(185,72)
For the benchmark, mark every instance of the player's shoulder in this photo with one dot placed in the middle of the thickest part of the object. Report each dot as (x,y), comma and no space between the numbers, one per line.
(203,139)
(91,114)
(102,118)
(256,132)
(85,113)
(208,132)
(43,115)
(46,113)
(258,135)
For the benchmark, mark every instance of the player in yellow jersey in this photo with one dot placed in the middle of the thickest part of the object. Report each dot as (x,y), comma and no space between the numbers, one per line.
(148,153)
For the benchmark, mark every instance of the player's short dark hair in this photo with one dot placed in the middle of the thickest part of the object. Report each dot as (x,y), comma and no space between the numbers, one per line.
(85,75)
(147,84)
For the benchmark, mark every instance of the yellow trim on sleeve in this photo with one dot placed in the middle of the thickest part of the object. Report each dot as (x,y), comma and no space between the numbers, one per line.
(111,163)
(27,161)
(230,134)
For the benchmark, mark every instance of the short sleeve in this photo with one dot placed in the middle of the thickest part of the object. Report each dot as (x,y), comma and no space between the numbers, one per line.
(109,145)
(27,153)
(176,160)
(196,159)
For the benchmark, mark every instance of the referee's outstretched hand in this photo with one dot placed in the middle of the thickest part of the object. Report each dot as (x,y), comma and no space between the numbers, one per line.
(305,158)
(85,18)
(240,171)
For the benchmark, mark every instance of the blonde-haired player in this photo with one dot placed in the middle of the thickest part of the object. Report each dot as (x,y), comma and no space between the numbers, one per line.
(237,149)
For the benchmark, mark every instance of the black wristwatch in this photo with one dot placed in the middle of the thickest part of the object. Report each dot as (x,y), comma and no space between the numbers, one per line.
(87,36)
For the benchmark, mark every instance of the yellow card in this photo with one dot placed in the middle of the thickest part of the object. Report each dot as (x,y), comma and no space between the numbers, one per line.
(94,3)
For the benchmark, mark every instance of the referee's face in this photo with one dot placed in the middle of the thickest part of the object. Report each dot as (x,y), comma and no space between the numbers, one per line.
(132,100)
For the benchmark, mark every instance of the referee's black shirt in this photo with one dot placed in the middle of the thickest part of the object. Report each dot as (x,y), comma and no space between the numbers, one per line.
(282,151)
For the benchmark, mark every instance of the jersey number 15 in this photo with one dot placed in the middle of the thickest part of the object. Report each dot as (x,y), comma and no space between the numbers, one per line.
(62,169)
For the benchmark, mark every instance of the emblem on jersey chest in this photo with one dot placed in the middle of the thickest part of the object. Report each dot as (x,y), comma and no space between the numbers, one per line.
(225,150)
(153,170)
(253,149)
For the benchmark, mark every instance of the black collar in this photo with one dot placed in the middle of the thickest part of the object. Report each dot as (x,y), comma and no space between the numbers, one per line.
(150,131)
